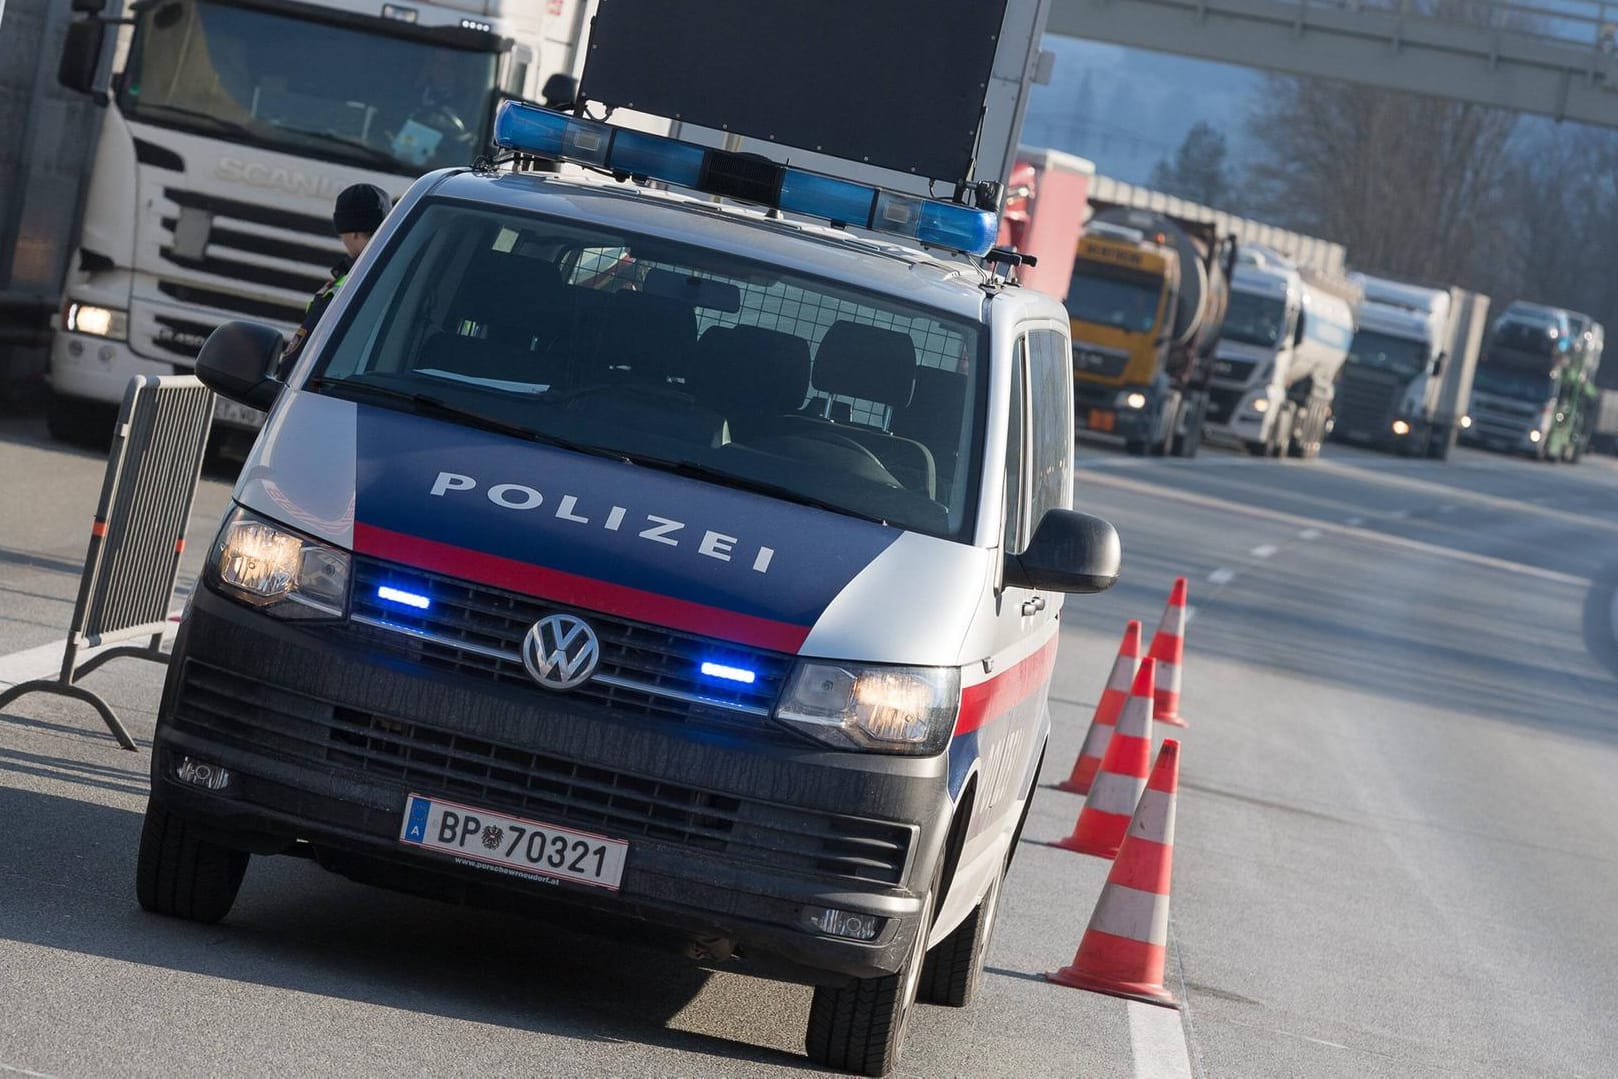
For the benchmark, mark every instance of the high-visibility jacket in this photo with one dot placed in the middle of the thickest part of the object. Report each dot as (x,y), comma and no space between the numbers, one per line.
(311,316)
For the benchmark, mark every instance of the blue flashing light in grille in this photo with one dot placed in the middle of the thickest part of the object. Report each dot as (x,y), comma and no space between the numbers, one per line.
(530,129)
(728,673)
(403,598)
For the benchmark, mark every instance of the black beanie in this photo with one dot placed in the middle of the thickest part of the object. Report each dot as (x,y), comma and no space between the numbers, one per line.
(360,208)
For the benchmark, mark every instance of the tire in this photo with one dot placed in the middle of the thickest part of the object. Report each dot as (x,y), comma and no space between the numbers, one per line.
(1135,447)
(1258,449)
(181,875)
(954,966)
(79,422)
(860,1027)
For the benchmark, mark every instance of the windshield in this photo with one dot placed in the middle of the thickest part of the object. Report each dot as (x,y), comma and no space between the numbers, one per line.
(1400,355)
(307,88)
(1117,298)
(674,357)
(1529,338)
(1533,386)
(1254,320)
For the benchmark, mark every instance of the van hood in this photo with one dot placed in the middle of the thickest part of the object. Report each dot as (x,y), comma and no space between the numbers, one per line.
(591,532)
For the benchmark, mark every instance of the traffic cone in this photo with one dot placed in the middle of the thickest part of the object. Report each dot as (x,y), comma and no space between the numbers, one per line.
(1106,713)
(1168,648)
(1122,952)
(1122,776)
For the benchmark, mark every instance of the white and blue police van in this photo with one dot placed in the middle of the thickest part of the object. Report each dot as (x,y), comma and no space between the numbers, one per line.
(621,550)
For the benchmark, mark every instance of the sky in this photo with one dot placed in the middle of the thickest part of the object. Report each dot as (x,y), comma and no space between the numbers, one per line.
(1126,109)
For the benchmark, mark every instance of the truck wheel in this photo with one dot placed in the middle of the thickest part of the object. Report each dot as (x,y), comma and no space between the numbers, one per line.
(954,966)
(1258,449)
(181,875)
(1135,446)
(79,422)
(860,1027)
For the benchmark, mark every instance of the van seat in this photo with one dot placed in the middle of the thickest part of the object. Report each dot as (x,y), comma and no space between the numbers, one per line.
(752,376)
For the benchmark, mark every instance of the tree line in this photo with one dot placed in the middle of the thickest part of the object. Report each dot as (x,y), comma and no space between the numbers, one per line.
(1424,189)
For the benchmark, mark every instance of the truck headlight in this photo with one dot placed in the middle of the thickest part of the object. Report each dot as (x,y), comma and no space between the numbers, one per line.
(1401,428)
(1466,422)
(1261,405)
(1132,399)
(280,572)
(98,321)
(887,709)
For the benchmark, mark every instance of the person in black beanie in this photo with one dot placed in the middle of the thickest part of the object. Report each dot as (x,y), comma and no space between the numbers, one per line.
(356,216)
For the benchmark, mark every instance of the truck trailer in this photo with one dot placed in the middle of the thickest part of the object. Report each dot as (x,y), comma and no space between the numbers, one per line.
(1146,300)
(1285,337)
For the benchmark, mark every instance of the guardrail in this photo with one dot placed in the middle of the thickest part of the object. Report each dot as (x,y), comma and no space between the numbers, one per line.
(137,537)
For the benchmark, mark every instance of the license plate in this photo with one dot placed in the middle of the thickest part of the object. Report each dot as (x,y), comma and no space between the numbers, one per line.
(1100,420)
(510,844)
(236,415)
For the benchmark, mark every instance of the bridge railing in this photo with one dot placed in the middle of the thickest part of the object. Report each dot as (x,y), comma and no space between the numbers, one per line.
(1591,24)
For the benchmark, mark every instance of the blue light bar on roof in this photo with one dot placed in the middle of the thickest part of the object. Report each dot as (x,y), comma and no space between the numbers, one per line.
(530,129)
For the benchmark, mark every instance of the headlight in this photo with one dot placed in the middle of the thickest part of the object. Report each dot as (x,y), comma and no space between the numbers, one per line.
(889,709)
(1534,436)
(1261,405)
(1401,428)
(98,321)
(276,570)
(1466,422)
(1133,399)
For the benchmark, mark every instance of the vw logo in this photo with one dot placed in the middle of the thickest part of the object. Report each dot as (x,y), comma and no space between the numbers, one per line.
(561,651)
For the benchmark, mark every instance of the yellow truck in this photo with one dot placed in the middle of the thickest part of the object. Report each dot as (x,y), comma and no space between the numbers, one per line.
(1146,301)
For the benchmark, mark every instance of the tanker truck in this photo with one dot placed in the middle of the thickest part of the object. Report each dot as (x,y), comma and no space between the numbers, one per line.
(1535,390)
(1146,301)
(1284,339)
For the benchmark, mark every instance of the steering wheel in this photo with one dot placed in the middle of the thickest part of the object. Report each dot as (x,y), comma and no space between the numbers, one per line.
(854,457)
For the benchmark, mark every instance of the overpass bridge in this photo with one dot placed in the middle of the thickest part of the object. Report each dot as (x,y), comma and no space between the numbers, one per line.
(1556,58)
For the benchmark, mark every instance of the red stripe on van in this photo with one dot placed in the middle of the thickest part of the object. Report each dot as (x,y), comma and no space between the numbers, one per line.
(574,590)
(995,696)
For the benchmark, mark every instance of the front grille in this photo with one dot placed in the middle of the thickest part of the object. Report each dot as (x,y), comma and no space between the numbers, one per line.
(1222,403)
(1365,400)
(1231,370)
(180,336)
(236,305)
(1098,362)
(237,712)
(478,632)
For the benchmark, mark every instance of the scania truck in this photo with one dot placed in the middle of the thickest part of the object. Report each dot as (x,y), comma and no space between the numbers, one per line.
(1409,370)
(229,127)
(1147,298)
(1535,389)
(1285,337)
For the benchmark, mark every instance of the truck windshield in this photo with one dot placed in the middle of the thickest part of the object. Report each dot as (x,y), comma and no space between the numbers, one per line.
(1533,386)
(1529,338)
(1254,320)
(398,104)
(1383,352)
(674,357)
(1117,298)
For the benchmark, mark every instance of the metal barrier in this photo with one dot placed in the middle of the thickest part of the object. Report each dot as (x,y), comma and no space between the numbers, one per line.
(137,537)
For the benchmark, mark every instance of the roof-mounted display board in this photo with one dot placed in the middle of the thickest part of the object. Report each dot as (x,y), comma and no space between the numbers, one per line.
(899,84)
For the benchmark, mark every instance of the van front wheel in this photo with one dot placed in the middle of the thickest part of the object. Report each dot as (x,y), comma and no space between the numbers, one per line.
(860,1027)
(955,964)
(182,875)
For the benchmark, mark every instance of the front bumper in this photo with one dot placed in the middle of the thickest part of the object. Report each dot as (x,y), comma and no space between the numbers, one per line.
(1096,412)
(731,839)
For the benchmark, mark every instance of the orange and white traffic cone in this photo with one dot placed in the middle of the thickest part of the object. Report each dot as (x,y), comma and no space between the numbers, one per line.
(1106,713)
(1122,776)
(1124,946)
(1168,648)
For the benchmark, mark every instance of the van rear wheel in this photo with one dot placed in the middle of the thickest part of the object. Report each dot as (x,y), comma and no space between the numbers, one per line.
(860,1027)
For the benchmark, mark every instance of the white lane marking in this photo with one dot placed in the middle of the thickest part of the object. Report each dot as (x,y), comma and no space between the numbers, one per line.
(1157,1042)
(1222,575)
(44,661)
(1448,507)
(1264,550)
(9,1070)
(1309,534)
(1505,565)
(1353,522)
(1397,515)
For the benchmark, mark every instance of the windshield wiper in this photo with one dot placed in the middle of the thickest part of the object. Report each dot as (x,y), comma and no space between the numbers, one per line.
(706,472)
(428,404)
(369,153)
(218,123)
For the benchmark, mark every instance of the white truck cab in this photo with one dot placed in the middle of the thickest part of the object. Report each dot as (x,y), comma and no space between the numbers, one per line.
(617,549)
(1391,383)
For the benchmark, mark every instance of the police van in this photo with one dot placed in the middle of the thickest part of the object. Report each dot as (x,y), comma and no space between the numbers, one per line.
(615,548)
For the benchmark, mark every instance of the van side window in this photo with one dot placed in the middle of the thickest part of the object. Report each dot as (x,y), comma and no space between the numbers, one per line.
(1016,452)
(1051,398)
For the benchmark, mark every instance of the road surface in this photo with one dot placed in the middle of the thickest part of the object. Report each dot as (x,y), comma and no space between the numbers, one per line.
(1397,845)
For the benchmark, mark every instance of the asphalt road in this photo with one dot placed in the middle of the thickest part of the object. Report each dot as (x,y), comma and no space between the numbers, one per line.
(1397,846)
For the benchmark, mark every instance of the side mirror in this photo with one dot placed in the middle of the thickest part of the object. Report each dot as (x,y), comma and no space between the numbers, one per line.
(1070,552)
(560,91)
(81,55)
(238,360)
